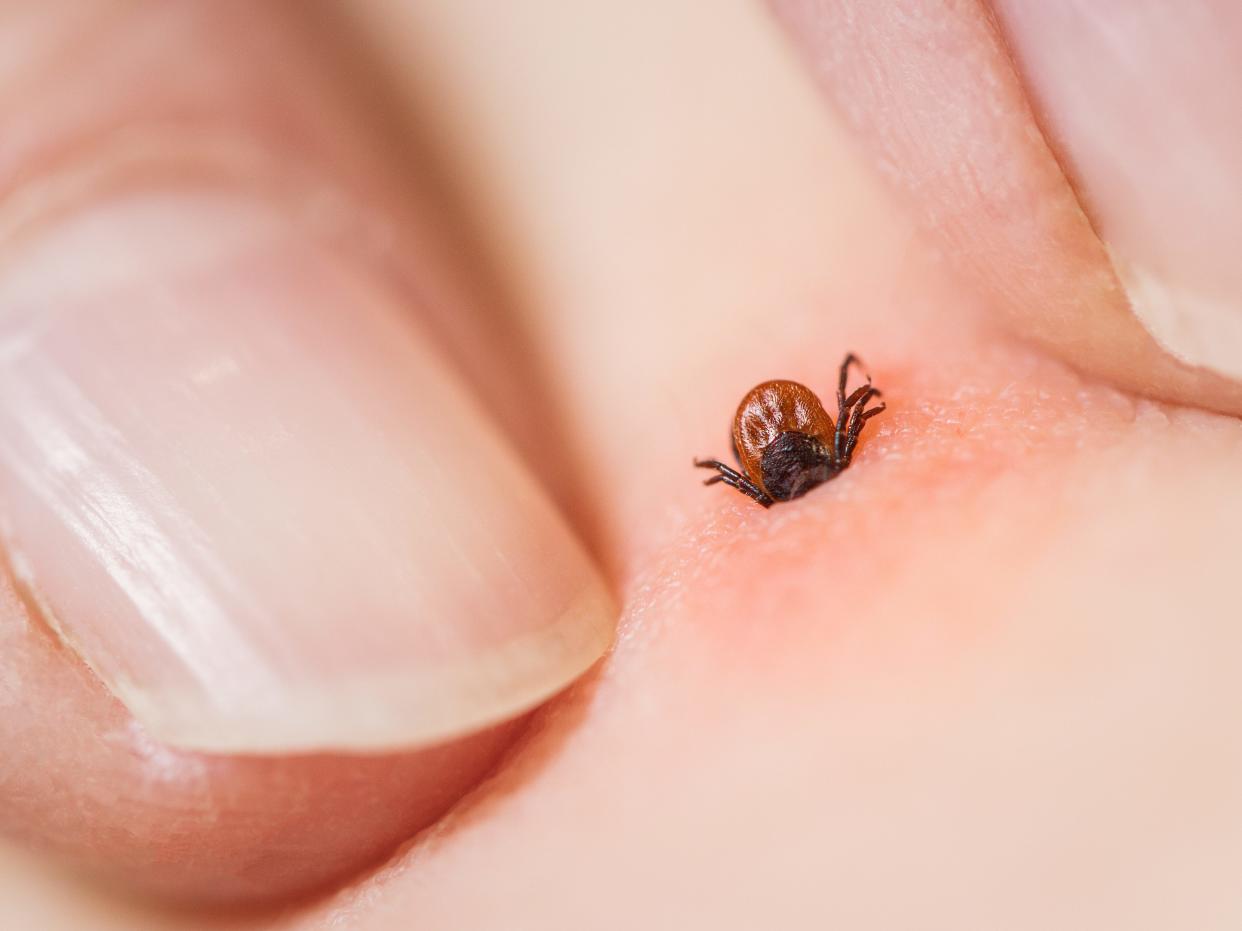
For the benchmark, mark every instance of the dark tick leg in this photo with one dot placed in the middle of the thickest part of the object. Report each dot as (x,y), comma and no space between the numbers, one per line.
(733,479)
(855,421)
(843,415)
(850,359)
(865,394)
(844,377)
(858,393)
(748,489)
(856,425)
(719,466)
(844,404)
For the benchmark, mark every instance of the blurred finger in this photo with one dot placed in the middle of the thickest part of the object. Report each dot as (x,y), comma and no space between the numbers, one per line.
(1140,102)
(930,91)
(240,481)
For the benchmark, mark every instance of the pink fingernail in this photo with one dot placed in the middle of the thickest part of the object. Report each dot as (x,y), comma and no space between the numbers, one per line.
(1140,98)
(254,500)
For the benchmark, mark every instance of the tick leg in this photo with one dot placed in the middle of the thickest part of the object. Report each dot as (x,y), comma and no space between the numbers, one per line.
(865,394)
(730,477)
(857,420)
(747,488)
(843,411)
(719,466)
(844,377)
(850,359)
(844,404)
(733,479)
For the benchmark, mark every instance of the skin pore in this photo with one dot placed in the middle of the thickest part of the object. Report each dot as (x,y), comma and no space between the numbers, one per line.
(985,675)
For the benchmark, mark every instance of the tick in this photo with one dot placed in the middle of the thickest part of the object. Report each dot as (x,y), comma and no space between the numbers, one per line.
(787,444)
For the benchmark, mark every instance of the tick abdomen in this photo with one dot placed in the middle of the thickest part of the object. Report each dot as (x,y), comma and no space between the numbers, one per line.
(785,441)
(767,411)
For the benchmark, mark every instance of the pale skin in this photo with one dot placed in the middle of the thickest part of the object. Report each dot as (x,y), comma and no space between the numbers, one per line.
(984,678)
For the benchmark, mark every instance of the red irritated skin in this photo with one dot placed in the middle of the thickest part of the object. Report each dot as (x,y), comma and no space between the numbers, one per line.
(986,677)
(804,698)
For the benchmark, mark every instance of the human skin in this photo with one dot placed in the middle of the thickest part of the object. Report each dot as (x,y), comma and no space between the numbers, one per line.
(985,678)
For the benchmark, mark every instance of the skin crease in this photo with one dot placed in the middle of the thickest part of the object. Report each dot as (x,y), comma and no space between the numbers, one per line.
(985,678)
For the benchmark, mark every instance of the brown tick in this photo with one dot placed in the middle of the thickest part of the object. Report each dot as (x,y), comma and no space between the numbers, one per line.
(785,441)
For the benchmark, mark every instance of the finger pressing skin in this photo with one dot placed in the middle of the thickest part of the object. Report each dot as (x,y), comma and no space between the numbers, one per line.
(239,481)
(648,243)
(931,94)
(1138,99)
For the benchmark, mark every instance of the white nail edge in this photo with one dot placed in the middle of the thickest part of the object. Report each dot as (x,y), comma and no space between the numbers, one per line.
(1193,327)
(393,712)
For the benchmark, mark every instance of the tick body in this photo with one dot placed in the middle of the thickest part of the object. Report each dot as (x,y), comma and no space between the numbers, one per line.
(785,442)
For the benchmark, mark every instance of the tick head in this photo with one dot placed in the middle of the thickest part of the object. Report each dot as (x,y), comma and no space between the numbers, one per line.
(794,463)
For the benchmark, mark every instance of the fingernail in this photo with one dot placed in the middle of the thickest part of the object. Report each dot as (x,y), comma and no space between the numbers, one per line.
(256,503)
(1140,100)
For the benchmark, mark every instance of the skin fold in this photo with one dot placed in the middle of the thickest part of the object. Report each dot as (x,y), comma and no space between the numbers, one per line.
(984,678)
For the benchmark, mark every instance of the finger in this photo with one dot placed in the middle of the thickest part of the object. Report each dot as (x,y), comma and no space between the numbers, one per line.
(1139,101)
(670,233)
(239,480)
(85,784)
(930,92)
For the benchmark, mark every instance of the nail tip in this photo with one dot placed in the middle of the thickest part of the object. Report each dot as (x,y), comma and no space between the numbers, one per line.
(1194,328)
(392,714)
